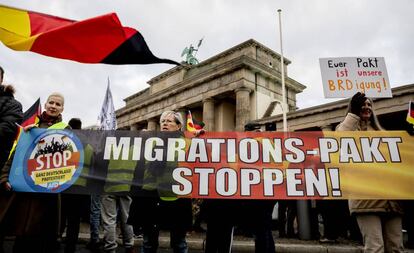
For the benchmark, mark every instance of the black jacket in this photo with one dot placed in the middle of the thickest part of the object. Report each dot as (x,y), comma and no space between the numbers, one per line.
(10,113)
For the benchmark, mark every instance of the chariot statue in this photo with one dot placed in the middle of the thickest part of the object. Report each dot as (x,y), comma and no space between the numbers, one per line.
(190,52)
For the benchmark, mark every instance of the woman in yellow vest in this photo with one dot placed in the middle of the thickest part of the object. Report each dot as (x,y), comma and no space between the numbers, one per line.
(159,208)
(34,217)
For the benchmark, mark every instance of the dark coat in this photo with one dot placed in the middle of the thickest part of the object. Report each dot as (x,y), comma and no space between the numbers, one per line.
(154,203)
(247,213)
(24,213)
(10,113)
(149,211)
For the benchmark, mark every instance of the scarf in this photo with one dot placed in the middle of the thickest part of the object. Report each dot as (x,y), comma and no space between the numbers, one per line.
(44,118)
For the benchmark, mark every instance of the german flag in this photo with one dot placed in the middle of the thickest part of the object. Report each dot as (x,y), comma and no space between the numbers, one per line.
(410,115)
(193,125)
(31,116)
(101,39)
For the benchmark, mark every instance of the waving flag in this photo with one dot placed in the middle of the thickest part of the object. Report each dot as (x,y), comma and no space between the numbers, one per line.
(101,39)
(410,115)
(31,116)
(193,125)
(107,117)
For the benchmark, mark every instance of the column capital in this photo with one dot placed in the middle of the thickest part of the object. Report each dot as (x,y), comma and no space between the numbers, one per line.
(152,124)
(209,99)
(243,88)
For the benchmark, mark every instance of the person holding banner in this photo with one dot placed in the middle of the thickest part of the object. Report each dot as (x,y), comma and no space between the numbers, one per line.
(222,215)
(10,114)
(34,217)
(74,205)
(380,221)
(161,209)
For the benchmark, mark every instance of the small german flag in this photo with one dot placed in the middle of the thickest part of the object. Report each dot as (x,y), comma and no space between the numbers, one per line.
(410,115)
(30,116)
(193,125)
(101,39)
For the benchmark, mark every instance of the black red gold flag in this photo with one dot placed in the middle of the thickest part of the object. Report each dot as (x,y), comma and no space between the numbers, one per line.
(100,39)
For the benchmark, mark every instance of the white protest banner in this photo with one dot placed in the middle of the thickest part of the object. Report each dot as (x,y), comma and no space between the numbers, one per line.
(345,76)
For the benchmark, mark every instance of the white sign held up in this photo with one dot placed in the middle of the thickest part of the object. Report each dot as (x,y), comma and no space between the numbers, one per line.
(345,76)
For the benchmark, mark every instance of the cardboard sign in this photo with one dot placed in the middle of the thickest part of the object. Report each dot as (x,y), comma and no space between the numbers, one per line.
(343,77)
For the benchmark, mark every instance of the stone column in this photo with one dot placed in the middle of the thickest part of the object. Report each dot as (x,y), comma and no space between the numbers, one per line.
(208,114)
(152,124)
(133,127)
(242,107)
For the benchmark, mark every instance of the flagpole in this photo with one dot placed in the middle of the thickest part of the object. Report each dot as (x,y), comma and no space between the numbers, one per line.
(302,206)
(282,69)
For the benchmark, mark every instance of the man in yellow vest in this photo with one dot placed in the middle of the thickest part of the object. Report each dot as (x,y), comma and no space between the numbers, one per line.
(115,205)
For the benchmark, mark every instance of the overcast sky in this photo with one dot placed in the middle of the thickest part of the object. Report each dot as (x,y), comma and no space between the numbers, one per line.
(312,29)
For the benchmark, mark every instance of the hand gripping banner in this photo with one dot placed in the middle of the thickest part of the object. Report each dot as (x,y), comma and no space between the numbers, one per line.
(267,165)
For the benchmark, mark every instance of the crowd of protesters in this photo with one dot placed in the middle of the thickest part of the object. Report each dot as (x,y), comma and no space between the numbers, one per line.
(36,220)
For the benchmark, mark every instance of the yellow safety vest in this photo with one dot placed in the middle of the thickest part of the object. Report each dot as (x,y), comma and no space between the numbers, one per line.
(87,163)
(120,175)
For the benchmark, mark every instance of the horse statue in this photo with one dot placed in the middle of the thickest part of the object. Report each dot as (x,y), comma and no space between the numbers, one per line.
(190,53)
